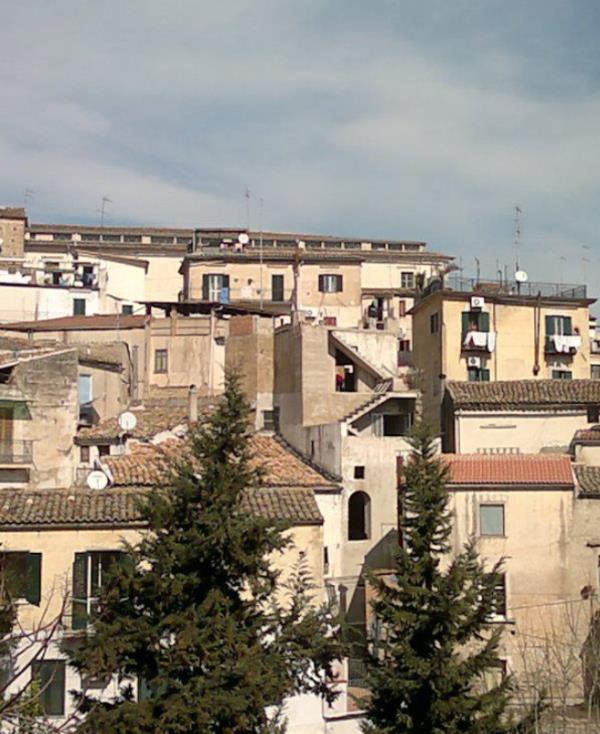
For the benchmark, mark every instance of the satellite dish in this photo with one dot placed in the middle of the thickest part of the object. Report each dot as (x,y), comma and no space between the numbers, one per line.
(243,238)
(521,276)
(127,421)
(97,479)
(1,241)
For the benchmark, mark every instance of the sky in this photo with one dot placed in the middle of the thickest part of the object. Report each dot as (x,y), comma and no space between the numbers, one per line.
(391,119)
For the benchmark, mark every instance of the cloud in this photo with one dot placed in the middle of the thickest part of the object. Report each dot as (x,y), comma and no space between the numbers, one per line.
(425,122)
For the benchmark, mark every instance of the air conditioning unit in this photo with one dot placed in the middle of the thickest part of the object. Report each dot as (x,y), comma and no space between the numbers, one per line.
(310,313)
(477,302)
(474,362)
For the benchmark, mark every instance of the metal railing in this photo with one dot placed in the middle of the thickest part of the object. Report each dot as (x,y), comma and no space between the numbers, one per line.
(16,452)
(507,288)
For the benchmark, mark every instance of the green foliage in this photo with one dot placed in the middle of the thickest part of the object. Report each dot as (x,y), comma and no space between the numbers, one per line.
(196,614)
(426,671)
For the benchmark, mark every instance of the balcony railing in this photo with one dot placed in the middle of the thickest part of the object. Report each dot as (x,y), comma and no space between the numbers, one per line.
(478,341)
(16,452)
(559,344)
(492,287)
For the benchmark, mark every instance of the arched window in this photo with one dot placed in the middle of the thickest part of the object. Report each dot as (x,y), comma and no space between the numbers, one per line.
(359,516)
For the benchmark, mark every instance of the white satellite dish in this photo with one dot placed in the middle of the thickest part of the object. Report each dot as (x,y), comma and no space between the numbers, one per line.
(243,238)
(127,421)
(1,241)
(97,479)
(521,276)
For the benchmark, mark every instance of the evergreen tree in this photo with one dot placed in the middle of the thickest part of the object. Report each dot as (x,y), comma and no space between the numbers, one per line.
(425,672)
(195,616)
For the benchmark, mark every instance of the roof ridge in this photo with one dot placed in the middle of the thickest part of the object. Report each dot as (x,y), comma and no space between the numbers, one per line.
(309,462)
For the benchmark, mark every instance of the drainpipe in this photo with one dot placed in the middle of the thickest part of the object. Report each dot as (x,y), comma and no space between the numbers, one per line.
(211,350)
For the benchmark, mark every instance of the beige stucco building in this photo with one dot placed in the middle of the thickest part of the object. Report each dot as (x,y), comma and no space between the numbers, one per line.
(469,331)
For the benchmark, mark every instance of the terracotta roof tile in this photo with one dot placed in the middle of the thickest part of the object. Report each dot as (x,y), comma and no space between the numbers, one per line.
(587,435)
(119,507)
(512,469)
(523,394)
(588,479)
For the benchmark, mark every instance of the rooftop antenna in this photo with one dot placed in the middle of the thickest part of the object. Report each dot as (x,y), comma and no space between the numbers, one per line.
(260,248)
(585,261)
(247,197)
(27,196)
(517,238)
(563,265)
(102,210)
(478,269)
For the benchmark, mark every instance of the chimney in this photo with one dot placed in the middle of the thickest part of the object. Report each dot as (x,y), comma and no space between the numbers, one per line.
(193,404)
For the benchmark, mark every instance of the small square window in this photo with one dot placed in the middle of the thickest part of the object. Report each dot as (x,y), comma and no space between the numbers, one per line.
(161,361)
(593,414)
(491,520)
(407,280)
(84,454)
(103,449)
(127,309)
(359,472)
(79,307)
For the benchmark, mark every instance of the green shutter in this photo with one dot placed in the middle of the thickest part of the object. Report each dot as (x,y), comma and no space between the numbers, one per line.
(549,325)
(205,287)
(465,322)
(79,610)
(567,326)
(33,588)
(484,321)
(484,376)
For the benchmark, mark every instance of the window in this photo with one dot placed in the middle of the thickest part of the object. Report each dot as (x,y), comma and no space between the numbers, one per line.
(434,323)
(271,419)
(499,597)
(85,390)
(331,283)
(359,472)
(91,572)
(277,288)
(103,449)
(593,414)
(491,520)
(84,454)
(325,560)
(475,321)
(132,238)
(79,307)
(391,424)
(14,476)
(22,572)
(161,361)
(595,372)
(359,516)
(478,374)
(407,280)
(111,238)
(562,375)
(127,309)
(215,287)
(401,308)
(559,325)
(51,677)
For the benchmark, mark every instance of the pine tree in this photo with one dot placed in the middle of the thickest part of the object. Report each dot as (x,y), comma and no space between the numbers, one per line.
(195,616)
(425,672)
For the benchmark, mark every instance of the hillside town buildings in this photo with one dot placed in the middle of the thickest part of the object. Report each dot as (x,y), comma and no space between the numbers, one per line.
(342,345)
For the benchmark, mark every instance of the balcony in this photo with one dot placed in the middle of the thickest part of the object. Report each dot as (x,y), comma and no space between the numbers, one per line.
(563,344)
(16,452)
(478,341)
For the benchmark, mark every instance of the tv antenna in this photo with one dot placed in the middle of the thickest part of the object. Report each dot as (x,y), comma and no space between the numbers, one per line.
(517,238)
(247,197)
(27,196)
(102,210)
(585,261)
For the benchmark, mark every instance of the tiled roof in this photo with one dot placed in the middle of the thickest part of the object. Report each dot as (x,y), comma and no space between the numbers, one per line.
(12,212)
(149,465)
(120,507)
(510,469)
(588,479)
(22,507)
(523,394)
(587,435)
(76,323)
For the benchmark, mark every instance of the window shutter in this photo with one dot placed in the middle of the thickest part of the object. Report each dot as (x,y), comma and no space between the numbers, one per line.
(568,326)
(401,308)
(549,325)
(465,322)
(79,610)
(205,287)
(485,376)
(321,283)
(484,321)
(339,280)
(33,589)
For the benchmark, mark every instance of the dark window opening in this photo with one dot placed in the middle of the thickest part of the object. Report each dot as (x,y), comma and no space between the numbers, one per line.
(331,283)
(22,575)
(359,472)
(161,359)
(50,674)
(277,293)
(593,414)
(562,375)
(434,323)
(79,307)
(103,449)
(271,419)
(499,596)
(475,321)
(359,516)
(478,374)
(127,309)
(84,454)
(92,571)
(345,375)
